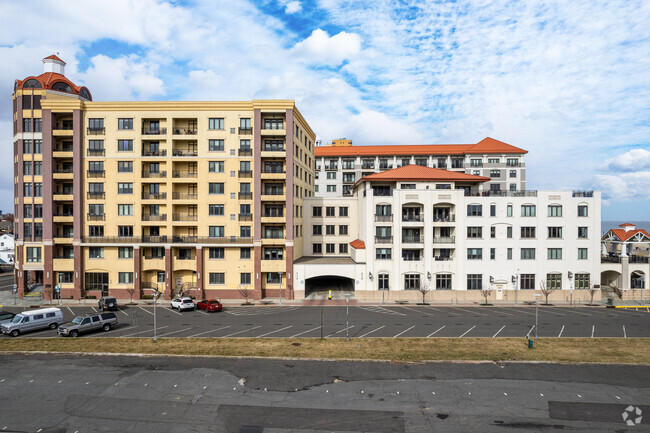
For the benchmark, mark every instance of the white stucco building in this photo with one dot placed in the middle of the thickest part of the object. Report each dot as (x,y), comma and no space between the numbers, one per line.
(7,248)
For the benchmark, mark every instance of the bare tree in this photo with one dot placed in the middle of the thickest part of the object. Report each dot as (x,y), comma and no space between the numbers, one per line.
(546,290)
(244,291)
(131,291)
(592,291)
(424,289)
(486,293)
(614,286)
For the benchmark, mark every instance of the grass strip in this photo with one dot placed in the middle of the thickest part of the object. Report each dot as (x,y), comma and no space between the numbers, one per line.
(570,350)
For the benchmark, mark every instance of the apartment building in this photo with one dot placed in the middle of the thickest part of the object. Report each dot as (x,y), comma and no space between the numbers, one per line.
(418,226)
(625,260)
(340,165)
(122,198)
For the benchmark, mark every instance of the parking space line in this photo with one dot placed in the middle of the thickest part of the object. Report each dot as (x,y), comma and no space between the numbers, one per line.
(202,312)
(273,332)
(207,332)
(240,332)
(304,332)
(499,310)
(146,311)
(439,329)
(70,310)
(466,332)
(94,309)
(469,311)
(593,328)
(175,332)
(116,330)
(368,333)
(561,331)
(522,310)
(573,310)
(443,311)
(126,314)
(531,330)
(337,332)
(413,309)
(499,331)
(148,330)
(175,312)
(406,330)
(624,333)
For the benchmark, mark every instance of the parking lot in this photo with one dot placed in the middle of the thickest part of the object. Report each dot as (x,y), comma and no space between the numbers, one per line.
(369,322)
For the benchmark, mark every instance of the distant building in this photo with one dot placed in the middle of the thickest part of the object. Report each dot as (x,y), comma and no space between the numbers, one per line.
(6,249)
(624,257)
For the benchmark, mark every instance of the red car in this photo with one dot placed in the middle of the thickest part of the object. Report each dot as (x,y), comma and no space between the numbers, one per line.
(209,305)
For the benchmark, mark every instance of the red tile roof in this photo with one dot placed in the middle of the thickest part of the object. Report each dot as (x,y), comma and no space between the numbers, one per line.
(358,244)
(420,173)
(486,146)
(47,79)
(54,57)
(627,225)
(625,235)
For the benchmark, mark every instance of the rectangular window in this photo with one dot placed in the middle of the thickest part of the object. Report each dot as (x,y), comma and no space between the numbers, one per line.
(528,254)
(331,175)
(583,210)
(27,125)
(215,188)
(493,232)
(330,211)
(513,173)
(343,230)
(331,188)
(125,145)
(245,253)
(495,173)
(317,248)
(554,253)
(27,211)
(96,231)
(528,232)
(124,123)
(528,210)
(343,211)
(474,210)
(582,281)
(493,253)
(509,232)
(509,210)
(216,166)
(216,145)
(125,231)
(527,282)
(38,168)
(582,253)
(383,253)
(27,168)
(443,281)
(411,281)
(33,254)
(216,231)
(216,123)
(583,232)
(125,209)
(217,253)
(38,189)
(474,253)
(217,278)
(474,232)
(96,252)
(554,281)
(343,248)
(383,282)
(509,253)
(330,248)
(273,278)
(330,229)
(245,278)
(555,210)
(273,254)
(38,123)
(125,252)
(317,230)
(125,166)
(555,232)
(493,210)
(216,210)
(27,189)
(125,188)
(474,281)
(411,255)
(38,146)
(27,146)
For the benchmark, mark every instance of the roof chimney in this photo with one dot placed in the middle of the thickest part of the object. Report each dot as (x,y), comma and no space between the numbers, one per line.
(54,64)
(627,227)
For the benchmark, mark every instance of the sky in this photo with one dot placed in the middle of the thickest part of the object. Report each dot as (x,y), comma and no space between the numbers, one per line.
(569,81)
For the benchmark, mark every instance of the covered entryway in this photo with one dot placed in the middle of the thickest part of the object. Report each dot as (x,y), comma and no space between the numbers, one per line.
(319,287)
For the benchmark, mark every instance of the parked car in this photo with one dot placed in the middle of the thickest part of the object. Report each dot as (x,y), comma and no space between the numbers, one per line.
(6,316)
(87,323)
(209,305)
(33,321)
(183,304)
(107,303)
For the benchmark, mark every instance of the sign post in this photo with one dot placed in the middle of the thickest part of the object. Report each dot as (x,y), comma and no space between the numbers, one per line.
(58,293)
(15,293)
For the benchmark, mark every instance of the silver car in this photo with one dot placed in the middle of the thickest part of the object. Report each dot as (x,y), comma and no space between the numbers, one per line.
(183,304)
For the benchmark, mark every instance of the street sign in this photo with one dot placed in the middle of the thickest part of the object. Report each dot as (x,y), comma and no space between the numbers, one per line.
(15,288)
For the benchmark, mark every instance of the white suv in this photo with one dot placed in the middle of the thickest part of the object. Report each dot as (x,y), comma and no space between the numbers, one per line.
(183,304)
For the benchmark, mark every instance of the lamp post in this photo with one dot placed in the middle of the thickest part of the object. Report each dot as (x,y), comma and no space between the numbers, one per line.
(347,316)
(570,275)
(155,297)
(536,313)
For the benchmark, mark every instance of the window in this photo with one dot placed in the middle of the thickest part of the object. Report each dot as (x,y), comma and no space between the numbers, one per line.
(216,231)
(476,162)
(495,187)
(215,145)
(443,281)
(245,231)
(493,210)
(554,253)
(65,277)
(383,282)
(583,232)
(411,255)
(27,168)
(27,146)
(317,248)
(412,282)
(38,123)
(215,123)
(582,210)
(474,210)
(474,253)
(216,210)
(125,166)
(96,231)
(474,232)
(273,278)
(582,281)
(317,211)
(528,254)
(582,253)
(317,230)
(495,173)
(493,232)
(555,232)
(273,254)
(493,253)
(125,188)
(554,281)
(96,252)
(245,253)
(330,229)
(527,282)
(27,189)
(124,123)
(38,168)
(95,124)
(555,210)
(38,211)
(474,281)
(217,278)
(215,188)
(27,211)
(38,146)
(125,277)
(245,123)
(343,211)
(38,189)
(216,166)
(343,248)
(343,229)
(330,211)
(125,252)
(528,210)
(513,173)
(27,125)
(331,188)
(383,253)
(96,166)
(509,232)
(96,281)
(509,254)
(216,253)
(245,278)
(330,248)
(528,232)
(125,231)
(331,175)
(33,254)
(125,209)
(124,145)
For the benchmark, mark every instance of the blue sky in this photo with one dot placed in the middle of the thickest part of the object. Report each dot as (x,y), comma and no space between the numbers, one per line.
(568,81)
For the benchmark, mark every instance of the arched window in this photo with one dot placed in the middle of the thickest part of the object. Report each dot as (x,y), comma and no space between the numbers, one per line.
(32,84)
(85,93)
(62,87)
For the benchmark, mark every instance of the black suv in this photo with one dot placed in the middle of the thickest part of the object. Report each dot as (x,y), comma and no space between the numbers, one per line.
(107,303)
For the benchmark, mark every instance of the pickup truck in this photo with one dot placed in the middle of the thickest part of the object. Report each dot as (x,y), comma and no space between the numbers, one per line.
(87,323)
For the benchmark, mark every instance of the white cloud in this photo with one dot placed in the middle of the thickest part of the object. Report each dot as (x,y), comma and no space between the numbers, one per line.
(124,78)
(371,127)
(633,160)
(291,6)
(320,48)
(626,186)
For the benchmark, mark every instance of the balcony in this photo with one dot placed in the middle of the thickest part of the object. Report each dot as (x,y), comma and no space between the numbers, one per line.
(184,217)
(184,174)
(610,259)
(383,218)
(245,152)
(96,152)
(96,131)
(185,152)
(184,196)
(413,218)
(582,194)
(245,174)
(154,240)
(383,239)
(331,167)
(245,217)
(96,195)
(444,240)
(245,196)
(63,196)
(457,164)
(442,258)
(639,259)
(385,166)
(349,180)
(154,174)
(150,196)
(154,152)
(95,217)
(161,217)
(245,131)
(412,239)
(382,192)
(367,166)
(183,131)
(96,173)
(444,218)
(154,131)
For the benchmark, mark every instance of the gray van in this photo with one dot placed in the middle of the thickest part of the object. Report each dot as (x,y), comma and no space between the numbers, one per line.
(32,321)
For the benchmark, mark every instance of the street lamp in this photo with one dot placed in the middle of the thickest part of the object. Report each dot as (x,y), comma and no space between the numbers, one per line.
(536,312)
(347,316)
(570,275)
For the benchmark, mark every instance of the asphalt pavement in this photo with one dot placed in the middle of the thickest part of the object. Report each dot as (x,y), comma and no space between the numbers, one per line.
(369,322)
(89,393)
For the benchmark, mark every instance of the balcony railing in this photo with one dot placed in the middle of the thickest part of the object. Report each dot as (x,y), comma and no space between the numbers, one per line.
(245,196)
(96,131)
(184,217)
(184,152)
(245,217)
(154,174)
(96,173)
(96,152)
(154,152)
(331,167)
(442,258)
(161,217)
(275,171)
(245,152)
(184,174)
(502,194)
(96,217)
(383,218)
(150,196)
(245,173)
(457,164)
(183,131)
(245,131)
(413,218)
(610,259)
(185,258)
(96,195)
(184,196)
(638,259)
(444,240)
(368,166)
(154,131)
(446,218)
(63,170)
(385,166)
(412,239)
(348,180)
(381,193)
(273,192)
(273,215)
(383,239)
(582,194)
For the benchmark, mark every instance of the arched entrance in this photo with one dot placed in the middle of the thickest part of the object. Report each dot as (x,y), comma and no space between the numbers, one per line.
(319,287)
(637,280)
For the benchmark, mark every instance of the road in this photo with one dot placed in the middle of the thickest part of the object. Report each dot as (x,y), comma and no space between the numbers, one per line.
(53,393)
(372,322)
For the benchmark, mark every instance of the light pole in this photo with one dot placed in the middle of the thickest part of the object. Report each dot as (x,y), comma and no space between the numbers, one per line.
(570,275)
(155,297)
(347,316)
(536,313)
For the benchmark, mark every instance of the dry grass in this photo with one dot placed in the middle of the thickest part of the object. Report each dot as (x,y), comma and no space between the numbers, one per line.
(600,350)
